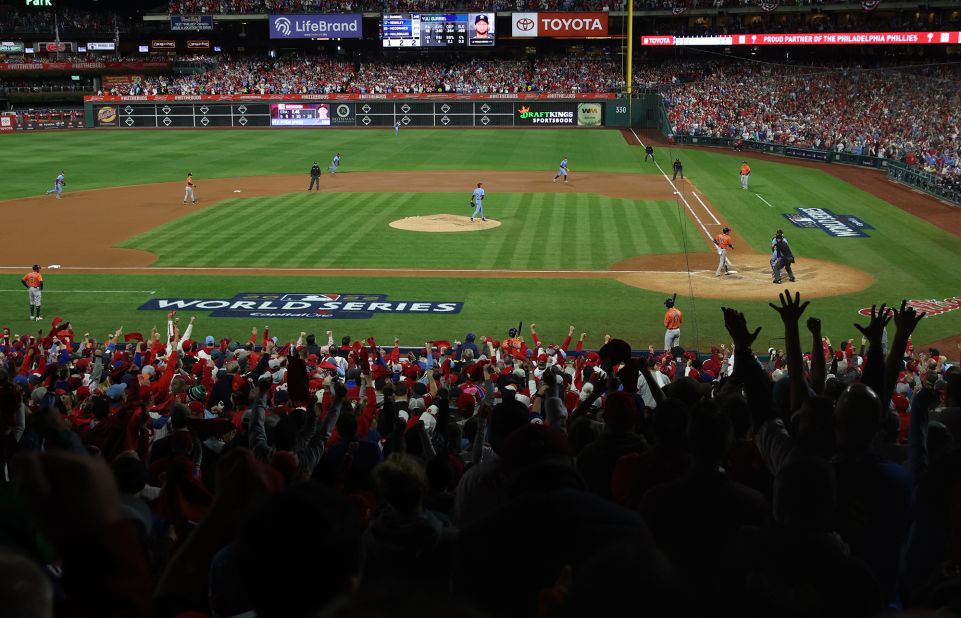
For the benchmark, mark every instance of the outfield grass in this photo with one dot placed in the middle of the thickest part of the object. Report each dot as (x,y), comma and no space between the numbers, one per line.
(108,158)
(908,257)
(539,231)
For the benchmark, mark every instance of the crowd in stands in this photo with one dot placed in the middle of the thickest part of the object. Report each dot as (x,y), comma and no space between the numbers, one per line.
(180,473)
(322,75)
(909,114)
(187,7)
(68,20)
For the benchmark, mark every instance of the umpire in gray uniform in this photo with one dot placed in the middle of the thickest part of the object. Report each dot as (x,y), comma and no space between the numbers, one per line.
(783,257)
(314,177)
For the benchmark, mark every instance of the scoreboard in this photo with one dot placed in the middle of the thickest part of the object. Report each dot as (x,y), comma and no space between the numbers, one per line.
(438,30)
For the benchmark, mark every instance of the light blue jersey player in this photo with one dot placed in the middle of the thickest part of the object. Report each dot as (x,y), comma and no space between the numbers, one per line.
(57,185)
(397,128)
(562,171)
(478,198)
(335,163)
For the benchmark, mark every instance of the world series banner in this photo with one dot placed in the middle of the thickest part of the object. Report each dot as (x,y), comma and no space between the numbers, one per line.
(331,306)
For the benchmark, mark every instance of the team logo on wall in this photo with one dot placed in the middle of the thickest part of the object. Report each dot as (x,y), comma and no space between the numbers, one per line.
(315,306)
(107,116)
(839,226)
(768,5)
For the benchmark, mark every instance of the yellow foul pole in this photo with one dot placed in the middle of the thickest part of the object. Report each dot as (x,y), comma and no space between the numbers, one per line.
(630,45)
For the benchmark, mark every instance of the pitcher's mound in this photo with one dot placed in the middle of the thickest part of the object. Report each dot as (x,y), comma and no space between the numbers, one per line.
(443,223)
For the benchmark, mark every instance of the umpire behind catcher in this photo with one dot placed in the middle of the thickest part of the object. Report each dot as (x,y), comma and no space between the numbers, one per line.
(314,177)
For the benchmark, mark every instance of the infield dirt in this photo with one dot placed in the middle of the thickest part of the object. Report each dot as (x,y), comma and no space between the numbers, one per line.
(107,217)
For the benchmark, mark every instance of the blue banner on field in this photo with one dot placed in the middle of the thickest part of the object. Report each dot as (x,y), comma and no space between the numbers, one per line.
(839,226)
(180,23)
(302,306)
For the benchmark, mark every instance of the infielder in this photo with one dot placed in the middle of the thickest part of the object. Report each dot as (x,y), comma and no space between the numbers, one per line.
(563,170)
(397,128)
(58,185)
(723,242)
(477,201)
(745,172)
(33,281)
(672,322)
(314,177)
(189,189)
(335,163)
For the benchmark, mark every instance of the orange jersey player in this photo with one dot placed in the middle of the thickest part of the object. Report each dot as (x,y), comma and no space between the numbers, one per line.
(33,281)
(723,243)
(672,322)
(189,189)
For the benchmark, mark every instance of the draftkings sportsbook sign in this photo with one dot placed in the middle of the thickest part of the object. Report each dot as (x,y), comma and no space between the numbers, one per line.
(301,306)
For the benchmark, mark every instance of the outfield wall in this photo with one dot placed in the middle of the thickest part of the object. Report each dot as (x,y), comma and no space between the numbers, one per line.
(352,110)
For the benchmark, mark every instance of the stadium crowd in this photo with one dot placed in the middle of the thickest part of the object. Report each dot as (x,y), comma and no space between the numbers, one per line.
(322,75)
(911,115)
(68,20)
(176,472)
(379,6)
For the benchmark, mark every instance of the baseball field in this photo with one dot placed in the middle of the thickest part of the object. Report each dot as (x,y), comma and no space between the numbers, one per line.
(386,247)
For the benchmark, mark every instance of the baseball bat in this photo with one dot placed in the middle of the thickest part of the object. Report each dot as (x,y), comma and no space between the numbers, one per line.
(519,332)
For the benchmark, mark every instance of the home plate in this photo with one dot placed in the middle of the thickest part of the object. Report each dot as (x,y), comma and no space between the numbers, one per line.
(236,190)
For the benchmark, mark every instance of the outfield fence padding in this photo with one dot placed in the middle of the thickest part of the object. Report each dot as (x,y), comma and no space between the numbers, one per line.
(345,111)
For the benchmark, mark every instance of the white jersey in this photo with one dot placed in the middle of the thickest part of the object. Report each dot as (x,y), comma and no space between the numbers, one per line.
(478,195)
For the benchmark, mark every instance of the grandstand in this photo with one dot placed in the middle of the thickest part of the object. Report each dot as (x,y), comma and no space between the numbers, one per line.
(266,401)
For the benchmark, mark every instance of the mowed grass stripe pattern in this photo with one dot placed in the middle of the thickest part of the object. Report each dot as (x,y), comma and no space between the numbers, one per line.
(105,158)
(540,231)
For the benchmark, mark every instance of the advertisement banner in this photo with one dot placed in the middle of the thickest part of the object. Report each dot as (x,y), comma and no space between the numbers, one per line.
(807,153)
(107,116)
(102,46)
(809,38)
(181,23)
(111,81)
(199,44)
(163,44)
(520,96)
(563,114)
(300,115)
(559,25)
(32,67)
(49,120)
(6,123)
(11,47)
(316,26)
(590,115)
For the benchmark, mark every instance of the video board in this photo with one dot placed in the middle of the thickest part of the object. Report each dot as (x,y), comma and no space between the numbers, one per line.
(438,30)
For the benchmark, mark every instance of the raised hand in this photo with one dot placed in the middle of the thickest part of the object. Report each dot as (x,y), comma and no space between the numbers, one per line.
(814,326)
(791,309)
(906,319)
(875,328)
(736,326)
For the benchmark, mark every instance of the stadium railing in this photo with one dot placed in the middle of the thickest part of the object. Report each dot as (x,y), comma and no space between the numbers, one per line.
(926,182)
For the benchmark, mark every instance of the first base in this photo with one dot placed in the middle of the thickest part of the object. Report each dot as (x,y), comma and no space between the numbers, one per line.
(236,190)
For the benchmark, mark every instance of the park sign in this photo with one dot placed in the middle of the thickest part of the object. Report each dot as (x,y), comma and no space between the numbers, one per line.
(186,23)
(316,26)
(559,25)
(839,226)
(314,306)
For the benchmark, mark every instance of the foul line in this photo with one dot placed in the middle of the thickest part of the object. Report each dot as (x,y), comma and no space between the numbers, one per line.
(335,271)
(89,291)
(678,193)
(708,210)
(769,204)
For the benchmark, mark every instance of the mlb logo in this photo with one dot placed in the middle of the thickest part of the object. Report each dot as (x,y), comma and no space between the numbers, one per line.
(310,298)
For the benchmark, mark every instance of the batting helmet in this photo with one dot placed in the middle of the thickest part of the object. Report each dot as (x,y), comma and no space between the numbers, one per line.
(36,267)
(726,230)
(669,302)
(512,332)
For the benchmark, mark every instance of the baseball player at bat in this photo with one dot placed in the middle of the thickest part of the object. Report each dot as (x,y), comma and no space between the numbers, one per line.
(723,243)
